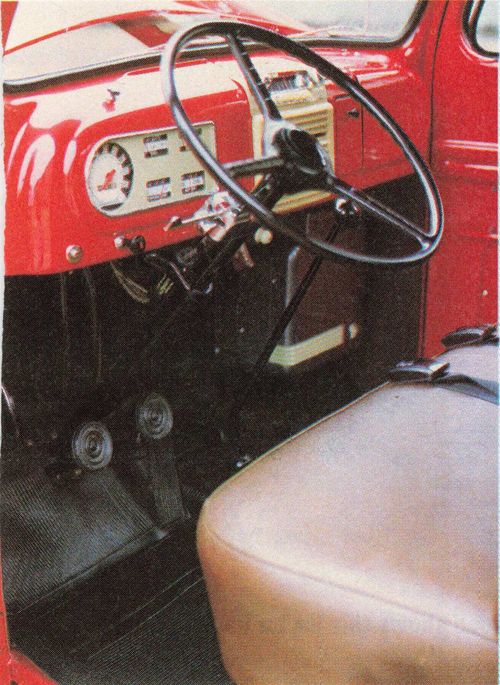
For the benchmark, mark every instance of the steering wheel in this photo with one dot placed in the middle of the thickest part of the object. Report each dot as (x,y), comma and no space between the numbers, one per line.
(294,156)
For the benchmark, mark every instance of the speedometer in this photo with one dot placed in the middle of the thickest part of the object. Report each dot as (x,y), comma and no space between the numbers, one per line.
(110,176)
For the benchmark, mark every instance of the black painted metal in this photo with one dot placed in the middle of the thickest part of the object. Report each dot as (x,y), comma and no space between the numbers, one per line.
(280,327)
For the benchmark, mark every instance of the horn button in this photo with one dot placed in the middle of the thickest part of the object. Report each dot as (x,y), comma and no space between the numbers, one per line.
(303,154)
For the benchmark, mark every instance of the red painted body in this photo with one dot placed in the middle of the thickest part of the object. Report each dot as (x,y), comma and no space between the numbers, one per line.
(5,654)
(462,286)
(15,668)
(22,670)
(438,88)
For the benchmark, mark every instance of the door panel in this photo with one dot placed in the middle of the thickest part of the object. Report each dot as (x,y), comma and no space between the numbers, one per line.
(462,278)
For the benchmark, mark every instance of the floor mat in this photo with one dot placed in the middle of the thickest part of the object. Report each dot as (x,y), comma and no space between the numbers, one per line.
(144,621)
(54,532)
(57,529)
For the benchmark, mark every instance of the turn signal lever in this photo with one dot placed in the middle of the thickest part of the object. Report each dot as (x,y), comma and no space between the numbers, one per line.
(218,216)
(215,219)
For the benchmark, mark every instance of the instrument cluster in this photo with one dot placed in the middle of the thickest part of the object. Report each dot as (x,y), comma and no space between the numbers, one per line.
(147,169)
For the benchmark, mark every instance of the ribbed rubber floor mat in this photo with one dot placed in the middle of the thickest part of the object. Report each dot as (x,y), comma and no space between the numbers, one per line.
(176,645)
(53,532)
(144,621)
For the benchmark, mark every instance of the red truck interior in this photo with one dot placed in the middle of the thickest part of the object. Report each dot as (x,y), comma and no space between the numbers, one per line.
(109,329)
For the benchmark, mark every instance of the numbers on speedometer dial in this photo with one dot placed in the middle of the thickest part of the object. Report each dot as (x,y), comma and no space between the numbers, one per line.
(110,176)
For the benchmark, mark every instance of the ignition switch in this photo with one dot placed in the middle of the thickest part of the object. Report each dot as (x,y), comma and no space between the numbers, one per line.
(347,208)
(136,245)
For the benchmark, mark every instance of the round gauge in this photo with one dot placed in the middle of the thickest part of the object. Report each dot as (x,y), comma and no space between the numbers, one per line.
(109,178)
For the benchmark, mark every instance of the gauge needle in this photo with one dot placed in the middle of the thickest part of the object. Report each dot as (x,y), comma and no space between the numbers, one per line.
(108,180)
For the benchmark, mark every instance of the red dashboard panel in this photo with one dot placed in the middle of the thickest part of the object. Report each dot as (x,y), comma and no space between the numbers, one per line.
(46,190)
(51,132)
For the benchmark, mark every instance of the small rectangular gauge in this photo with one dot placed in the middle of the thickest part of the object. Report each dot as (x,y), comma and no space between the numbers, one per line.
(159,189)
(193,182)
(156,145)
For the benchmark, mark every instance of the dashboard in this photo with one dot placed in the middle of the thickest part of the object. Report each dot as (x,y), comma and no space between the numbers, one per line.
(96,160)
(150,168)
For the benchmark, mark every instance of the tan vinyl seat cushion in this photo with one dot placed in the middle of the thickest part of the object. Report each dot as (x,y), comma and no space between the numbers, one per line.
(363,551)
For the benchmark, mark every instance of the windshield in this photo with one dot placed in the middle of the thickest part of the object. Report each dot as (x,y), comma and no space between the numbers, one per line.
(40,42)
(368,20)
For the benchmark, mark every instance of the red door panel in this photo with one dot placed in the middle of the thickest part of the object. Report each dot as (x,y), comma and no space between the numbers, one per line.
(462,278)
(348,136)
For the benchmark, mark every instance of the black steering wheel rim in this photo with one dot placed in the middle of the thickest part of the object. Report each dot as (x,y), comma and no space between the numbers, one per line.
(428,239)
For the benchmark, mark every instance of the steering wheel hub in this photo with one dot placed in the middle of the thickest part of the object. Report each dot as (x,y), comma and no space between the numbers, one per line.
(303,152)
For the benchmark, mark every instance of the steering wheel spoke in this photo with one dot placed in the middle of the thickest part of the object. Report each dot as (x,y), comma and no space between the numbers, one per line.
(378,209)
(254,167)
(259,90)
